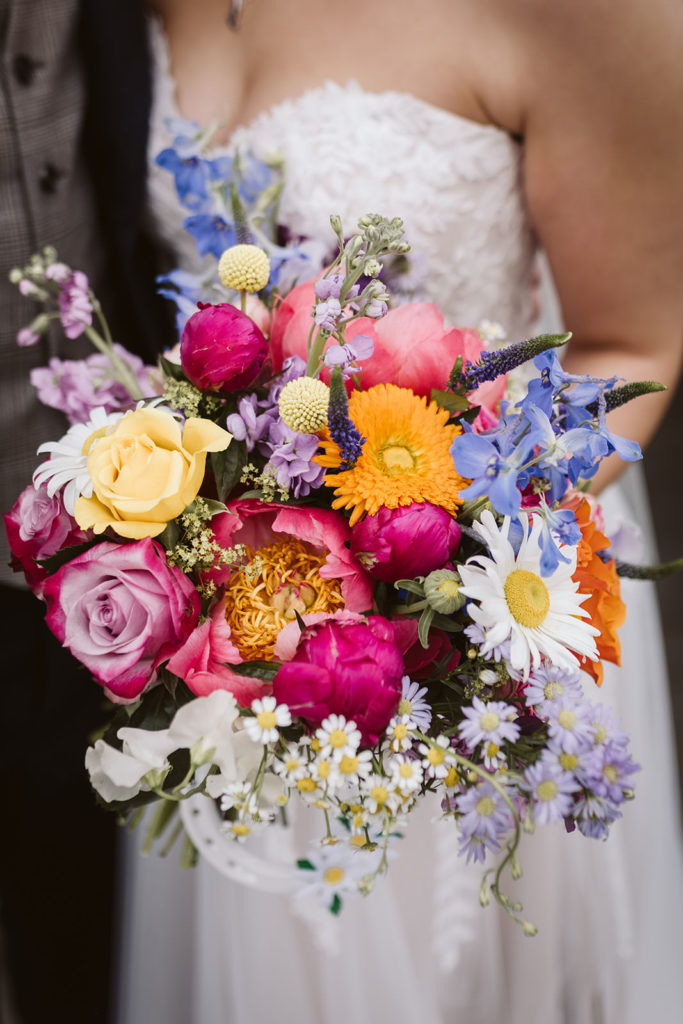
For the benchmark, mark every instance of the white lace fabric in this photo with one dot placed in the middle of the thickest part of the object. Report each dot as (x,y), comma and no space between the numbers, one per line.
(455,183)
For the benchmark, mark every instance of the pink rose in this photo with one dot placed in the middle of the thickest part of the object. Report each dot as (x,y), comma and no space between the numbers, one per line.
(37,526)
(204,660)
(121,610)
(222,348)
(412,347)
(405,542)
(347,668)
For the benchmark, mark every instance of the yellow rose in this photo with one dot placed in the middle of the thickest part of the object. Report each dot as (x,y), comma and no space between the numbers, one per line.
(145,473)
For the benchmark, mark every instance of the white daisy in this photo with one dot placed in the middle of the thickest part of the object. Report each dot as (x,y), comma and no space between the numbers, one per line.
(380,795)
(67,467)
(338,738)
(292,765)
(398,733)
(354,767)
(540,615)
(436,757)
(268,715)
(406,774)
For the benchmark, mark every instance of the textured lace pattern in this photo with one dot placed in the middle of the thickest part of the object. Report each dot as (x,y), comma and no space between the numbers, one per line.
(455,183)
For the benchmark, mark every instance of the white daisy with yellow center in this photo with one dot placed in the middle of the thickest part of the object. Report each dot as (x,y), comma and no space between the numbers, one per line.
(539,615)
(269,716)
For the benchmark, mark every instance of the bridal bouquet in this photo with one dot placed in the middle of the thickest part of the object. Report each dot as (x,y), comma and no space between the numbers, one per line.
(319,559)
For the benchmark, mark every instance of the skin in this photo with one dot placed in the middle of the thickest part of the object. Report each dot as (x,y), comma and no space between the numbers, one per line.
(595,92)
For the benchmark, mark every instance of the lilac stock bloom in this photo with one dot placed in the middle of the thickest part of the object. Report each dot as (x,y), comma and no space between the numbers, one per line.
(354,351)
(75,308)
(552,791)
(329,287)
(290,458)
(293,367)
(76,387)
(26,337)
(248,424)
(327,314)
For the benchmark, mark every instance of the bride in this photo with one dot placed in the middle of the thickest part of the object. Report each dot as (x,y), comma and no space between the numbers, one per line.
(491,128)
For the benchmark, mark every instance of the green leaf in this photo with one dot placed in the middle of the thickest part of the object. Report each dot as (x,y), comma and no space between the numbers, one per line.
(64,555)
(305,865)
(336,904)
(423,626)
(449,400)
(172,370)
(227,467)
(266,670)
(411,586)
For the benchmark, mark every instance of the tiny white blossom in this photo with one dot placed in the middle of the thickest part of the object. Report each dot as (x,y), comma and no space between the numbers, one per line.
(268,715)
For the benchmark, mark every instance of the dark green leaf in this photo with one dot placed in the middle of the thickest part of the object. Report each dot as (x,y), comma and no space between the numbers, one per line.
(227,467)
(64,555)
(336,904)
(172,370)
(305,865)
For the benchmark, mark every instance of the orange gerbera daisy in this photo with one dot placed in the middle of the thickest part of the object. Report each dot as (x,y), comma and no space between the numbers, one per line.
(600,581)
(406,454)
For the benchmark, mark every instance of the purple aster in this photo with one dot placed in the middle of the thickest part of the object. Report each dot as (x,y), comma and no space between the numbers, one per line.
(605,726)
(594,815)
(485,820)
(552,791)
(490,722)
(549,683)
(413,704)
(500,653)
(569,726)
(75,308)
(609,771)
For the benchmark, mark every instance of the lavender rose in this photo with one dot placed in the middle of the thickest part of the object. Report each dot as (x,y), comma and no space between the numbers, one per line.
(37,526)
(222,349)
(405,542)
(121,610)
(347,668)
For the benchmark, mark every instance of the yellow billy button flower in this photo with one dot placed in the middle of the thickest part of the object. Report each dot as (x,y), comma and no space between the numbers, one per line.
(245,268)
(303,405)
(145,472)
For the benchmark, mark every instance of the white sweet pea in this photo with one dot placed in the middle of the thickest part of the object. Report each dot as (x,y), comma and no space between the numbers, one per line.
(121,774)
(247,755)
(205,727)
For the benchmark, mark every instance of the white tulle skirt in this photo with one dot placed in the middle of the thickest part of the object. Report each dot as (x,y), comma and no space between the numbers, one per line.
(198,949)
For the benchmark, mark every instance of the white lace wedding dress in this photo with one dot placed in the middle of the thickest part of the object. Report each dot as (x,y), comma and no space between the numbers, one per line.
(198,949)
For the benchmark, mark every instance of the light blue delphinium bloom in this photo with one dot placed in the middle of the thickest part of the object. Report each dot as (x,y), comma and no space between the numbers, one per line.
(494,463)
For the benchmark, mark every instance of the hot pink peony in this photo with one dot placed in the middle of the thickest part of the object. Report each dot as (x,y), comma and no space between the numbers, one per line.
(121,610)
(204,660)
(222,349)
(405,542)
(412,347)
(37,526)
(348,668)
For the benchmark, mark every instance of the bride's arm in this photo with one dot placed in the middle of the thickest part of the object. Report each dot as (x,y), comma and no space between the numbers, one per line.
(602,88)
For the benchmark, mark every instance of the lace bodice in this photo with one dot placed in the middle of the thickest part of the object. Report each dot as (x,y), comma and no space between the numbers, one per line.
(455,183)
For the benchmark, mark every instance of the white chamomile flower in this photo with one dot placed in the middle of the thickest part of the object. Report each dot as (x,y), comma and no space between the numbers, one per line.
(335,870)
(380,795)
(337,737)
(354,767)
(494,757)
(67,467)
(292,765)
(268,715)
(398,733)
(406,774)
(540,615)
(436,757)
(326,772)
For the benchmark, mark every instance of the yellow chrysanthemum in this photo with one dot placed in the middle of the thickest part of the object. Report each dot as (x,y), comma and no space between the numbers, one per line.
(405,457)
(244,267)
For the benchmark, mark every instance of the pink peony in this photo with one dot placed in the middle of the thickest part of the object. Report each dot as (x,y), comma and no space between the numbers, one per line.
(222,349)
(121,610)
(412,347)
(37,526)
(405,542)
(257,523)
(204,661)
(347,668)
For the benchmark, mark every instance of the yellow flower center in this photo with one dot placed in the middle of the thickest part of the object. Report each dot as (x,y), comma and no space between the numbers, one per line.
(400,731)
(380,794)
(333,876)
(436,755)
(338,738)
(452,779)
(569,762)
(552,690)
(240,830)
(527,597)
(406,770)
(348,765)
(567,719)
(263,596)
(492,749)
(546,790)
(485,806)
(610,773)
(600,733)
(324,768)
(489,721)
(305,785)
(396,458)
(405,707)
(292,764)
(358,840)
(266,719)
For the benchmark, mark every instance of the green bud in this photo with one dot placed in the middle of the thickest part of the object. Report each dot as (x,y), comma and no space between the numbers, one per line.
(442,591)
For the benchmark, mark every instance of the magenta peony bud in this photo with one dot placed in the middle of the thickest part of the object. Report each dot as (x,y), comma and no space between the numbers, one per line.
(345,668)
(222,349)
(401,543)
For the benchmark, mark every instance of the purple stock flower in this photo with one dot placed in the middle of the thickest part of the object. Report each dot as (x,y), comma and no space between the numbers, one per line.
(248,424)
(329,287)
(26,337)
(75,308)
(290,458)
(327,314)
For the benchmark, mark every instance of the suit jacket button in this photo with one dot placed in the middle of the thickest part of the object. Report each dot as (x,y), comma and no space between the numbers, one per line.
(25,67)
(48,179)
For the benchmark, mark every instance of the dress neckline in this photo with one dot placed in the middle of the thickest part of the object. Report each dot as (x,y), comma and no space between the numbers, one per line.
(324,88)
